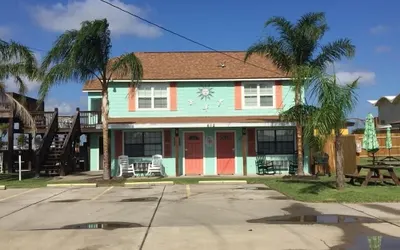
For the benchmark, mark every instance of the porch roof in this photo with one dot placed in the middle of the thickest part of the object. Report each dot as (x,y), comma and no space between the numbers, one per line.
(197,122)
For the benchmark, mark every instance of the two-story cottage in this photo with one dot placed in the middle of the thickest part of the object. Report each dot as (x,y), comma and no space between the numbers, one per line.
(205,112)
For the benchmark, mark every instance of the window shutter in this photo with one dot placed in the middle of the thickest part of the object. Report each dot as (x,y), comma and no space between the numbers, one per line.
(251,142)
(167,143)
(118,143)
(278,95)
(173,96)
(132,99)
(238,95)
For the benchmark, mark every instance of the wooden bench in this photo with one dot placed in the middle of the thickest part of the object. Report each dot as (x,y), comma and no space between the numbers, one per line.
(353,177)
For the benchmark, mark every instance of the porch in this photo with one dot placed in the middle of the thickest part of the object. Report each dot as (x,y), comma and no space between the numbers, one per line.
(203,150)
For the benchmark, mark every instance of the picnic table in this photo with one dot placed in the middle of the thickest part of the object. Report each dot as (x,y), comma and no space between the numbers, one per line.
(374,173)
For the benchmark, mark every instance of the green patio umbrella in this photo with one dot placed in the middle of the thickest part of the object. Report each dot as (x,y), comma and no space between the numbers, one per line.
(388,141)
(370,142)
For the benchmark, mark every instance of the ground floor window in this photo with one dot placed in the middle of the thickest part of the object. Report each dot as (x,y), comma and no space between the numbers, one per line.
(142,144)
(275,141)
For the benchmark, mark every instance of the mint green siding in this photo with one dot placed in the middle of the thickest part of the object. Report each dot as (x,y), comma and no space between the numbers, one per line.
(94,152)
(118,95)
(188,91)
(209,153)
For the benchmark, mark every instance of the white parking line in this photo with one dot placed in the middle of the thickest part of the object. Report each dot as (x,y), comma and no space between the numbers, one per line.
(105,191)
(16,195)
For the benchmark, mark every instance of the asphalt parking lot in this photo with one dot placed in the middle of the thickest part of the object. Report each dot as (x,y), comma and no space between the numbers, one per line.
(188,217)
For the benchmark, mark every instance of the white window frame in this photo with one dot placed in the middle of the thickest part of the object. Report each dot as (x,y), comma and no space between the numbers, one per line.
(258,95)
(152,96)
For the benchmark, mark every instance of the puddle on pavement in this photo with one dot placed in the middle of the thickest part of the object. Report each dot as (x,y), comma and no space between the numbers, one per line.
(141,199)
(314,219)
(373,243)
(254,188)
(103,225)
(67,201)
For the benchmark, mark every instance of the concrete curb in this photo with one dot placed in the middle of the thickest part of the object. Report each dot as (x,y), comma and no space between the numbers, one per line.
(72,185)
(211,182)
(3,187)
(151,183)
(224,182)
(235,182)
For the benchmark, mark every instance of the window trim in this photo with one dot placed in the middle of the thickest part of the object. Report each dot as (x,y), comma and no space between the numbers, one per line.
(134,130)
(258,95)
(277,128)
(152,85)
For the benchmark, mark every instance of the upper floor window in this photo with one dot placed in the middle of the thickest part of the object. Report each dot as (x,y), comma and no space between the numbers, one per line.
(152,96)
(258,95)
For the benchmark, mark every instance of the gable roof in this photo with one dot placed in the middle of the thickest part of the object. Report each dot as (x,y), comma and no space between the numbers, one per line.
(390,98)
(199,65)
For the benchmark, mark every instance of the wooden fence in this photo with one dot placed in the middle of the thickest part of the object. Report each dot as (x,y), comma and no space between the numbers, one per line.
(381,135)
(349,154)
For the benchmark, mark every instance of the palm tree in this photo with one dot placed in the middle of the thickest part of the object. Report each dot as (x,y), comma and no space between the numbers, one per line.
(17,61)
(84,54)
(334,103)
(299,44)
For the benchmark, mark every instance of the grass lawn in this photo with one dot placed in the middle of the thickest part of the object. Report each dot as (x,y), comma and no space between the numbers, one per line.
(28,181)
(323,190)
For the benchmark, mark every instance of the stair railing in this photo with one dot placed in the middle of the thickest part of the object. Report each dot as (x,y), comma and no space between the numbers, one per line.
(74,132)
(48,137)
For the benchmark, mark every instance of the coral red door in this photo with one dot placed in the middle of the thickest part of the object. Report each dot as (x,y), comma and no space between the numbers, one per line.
(193,153)
(225,153)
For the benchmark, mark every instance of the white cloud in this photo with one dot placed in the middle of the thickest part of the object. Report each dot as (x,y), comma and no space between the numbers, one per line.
(5,32)
(366,77)
(59,17)
(383,49)
(64,108)
(379,29)
(12,86)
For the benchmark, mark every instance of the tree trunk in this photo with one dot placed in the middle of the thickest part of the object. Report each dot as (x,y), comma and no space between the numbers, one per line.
(339,163)
(104,112)
(299,134)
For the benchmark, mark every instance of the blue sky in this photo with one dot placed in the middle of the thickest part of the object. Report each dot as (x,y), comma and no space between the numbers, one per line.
(224,25)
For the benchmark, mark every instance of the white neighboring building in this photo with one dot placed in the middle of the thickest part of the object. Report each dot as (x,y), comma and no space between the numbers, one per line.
(388,109)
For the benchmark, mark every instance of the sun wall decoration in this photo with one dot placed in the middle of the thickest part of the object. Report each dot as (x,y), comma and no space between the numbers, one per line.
(205,92)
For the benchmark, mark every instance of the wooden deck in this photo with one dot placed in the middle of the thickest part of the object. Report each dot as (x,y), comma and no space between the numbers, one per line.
(89,121)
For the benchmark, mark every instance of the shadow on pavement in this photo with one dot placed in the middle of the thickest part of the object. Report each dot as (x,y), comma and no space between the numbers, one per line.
(356,236)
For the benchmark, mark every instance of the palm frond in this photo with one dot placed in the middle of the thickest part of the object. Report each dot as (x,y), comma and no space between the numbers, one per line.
(21,112)
(274,50)
(77,55)
(284,28)
(334,51)
(128,64)
(312,25)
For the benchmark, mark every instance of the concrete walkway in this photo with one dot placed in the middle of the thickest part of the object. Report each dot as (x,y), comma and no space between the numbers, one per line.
(188,217)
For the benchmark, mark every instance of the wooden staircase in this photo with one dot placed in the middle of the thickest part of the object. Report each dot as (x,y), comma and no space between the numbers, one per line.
(56,155)
(52,161)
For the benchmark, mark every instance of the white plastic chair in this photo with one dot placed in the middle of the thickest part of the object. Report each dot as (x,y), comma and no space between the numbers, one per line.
(124,167)
(156,165)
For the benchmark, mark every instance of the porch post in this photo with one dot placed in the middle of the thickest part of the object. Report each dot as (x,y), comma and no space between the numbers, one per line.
(176,152)
(244,150)
(10,160)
